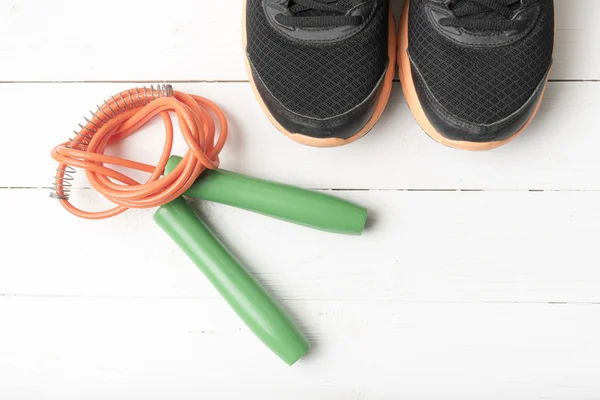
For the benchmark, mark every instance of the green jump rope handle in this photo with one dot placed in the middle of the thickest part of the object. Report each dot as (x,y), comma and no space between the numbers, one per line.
(288,203)
(243,293)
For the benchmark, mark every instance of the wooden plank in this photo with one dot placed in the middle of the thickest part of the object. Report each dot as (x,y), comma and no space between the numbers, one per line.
(558,152)
(419,247)
(70,348)
(192,40)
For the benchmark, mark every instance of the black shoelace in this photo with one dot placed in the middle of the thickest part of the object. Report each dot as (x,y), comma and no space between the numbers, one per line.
(475,15)
(317,14)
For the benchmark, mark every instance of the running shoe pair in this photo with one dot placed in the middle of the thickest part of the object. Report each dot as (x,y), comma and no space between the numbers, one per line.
(473,72)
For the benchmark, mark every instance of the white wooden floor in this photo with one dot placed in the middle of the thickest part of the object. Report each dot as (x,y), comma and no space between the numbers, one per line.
(479,277)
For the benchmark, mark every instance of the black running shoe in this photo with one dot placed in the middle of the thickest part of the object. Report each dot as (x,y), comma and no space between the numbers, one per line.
(474,71)
(321,69)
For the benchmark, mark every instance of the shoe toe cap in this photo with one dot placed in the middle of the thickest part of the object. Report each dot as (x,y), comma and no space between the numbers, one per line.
(343,125)
(453,127)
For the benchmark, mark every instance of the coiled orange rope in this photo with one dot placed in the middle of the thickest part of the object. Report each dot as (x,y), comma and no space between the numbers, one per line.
(122,116)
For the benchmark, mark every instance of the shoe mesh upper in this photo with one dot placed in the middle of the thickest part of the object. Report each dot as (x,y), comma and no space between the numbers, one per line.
(481,85)
(313,79)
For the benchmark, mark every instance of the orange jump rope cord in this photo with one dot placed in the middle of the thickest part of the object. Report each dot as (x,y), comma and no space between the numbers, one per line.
(122,116)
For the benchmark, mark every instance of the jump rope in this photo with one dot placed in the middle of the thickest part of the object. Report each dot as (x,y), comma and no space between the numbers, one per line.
(203,125)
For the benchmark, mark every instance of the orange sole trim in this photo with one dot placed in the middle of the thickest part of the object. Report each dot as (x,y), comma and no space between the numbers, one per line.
(414,104)
(384,96)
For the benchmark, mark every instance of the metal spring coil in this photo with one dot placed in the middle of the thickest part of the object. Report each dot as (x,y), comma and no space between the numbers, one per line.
(124,101)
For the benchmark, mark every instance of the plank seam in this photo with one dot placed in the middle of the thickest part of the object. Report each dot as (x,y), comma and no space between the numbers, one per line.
(344,300)
(7,188)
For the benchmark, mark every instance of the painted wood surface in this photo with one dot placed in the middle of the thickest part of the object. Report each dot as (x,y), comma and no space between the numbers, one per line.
(191,40)
(477,278)
(419,247)
(558,152)
(126,348)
